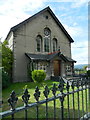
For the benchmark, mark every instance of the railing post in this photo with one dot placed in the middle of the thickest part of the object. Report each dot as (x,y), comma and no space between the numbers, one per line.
(86,83)
(67,87)
(77,85)
(61,88)
(54,89)
(82,99)
(62,106)
(46,93)
(73,97)
(37,95)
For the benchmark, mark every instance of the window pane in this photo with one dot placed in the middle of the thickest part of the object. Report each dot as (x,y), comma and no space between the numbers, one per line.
(39,43)
(54,45)
(46,44)
(47,36)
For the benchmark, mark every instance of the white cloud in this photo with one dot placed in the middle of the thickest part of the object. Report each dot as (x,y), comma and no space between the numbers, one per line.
(74,30)
(80,46)
(80,52)
(18,6)
(79,3)
(75,24)
(14,11)
(81,57)
(6,22)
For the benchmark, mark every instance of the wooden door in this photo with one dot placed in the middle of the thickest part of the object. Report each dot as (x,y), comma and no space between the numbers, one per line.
(56,65)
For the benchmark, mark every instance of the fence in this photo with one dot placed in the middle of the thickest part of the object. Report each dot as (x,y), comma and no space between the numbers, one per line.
(78,91)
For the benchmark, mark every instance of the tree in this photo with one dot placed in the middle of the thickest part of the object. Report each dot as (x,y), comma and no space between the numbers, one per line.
(7,58)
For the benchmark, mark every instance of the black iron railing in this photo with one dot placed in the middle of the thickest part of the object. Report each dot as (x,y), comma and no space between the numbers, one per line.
(79,88)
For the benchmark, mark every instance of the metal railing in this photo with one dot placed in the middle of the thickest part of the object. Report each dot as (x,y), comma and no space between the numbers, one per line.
(81,89)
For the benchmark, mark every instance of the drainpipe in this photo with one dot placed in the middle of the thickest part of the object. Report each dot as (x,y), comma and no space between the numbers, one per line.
(32,65)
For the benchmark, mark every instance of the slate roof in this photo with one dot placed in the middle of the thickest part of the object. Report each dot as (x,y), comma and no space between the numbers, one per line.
(35,15)
(48,57)
(41,56)
(37,56)
(70,59)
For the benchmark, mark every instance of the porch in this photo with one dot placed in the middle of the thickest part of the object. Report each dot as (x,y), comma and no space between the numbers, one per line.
(54,64)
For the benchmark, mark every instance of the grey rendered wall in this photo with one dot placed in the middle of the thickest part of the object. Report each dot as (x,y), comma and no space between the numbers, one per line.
(25,42)
(37,25)
(20,60)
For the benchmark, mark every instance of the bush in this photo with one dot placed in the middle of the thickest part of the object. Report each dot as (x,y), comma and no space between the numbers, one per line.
(88,73)
(5,79)
(38,76)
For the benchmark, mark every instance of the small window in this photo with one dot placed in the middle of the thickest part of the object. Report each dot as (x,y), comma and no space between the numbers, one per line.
(39,43)
(54,44)
(46,17)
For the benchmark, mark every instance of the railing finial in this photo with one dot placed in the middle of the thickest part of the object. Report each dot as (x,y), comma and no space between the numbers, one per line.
(54,89)
(37,94)
(12,100)
(46,92)
(26,97)
(61,87)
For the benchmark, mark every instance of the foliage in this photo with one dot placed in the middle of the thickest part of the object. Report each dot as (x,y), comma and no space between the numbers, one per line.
(5,79)
(7,58)
(88,73)
(38,76)
(80,71)
(85,67)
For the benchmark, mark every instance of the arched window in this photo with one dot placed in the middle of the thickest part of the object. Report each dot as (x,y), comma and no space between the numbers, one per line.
(47,36)
(39,43)
(54,44)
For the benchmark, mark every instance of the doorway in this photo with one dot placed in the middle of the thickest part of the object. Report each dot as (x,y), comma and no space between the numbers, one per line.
(56,65)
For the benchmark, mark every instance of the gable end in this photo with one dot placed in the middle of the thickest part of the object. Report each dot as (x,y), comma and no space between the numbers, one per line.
(35,15)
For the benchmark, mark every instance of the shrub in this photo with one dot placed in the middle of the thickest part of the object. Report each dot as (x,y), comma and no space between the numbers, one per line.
(5,79)
(38,76)
(88,73)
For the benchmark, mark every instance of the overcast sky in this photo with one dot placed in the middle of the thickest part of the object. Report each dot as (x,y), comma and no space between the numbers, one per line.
(71,13)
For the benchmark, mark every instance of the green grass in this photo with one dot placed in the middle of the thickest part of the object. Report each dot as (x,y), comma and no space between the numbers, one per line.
(19,89)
